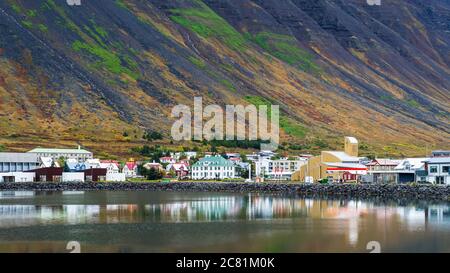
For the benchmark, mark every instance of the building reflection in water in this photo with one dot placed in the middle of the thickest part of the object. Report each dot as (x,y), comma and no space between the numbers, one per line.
(252,207)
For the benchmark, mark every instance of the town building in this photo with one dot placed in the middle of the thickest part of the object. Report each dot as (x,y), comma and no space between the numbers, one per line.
(440,153)
(382,170)
(213,167)
(51,174)
(335,166)
(111,166)
(436,171)
(47,162)
(95,175)
(18,162)
(79,154)
(13,177)
(405,171)
(260,156)
(92,163)
(277,169)
(130,169)
(167,160)
(184,155)
(181,170)
(73,165)
(153,165)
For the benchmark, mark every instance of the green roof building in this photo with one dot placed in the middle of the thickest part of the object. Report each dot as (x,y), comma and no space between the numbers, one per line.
(213,167)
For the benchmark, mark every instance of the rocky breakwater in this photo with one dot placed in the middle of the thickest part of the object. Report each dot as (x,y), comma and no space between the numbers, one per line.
(388,192)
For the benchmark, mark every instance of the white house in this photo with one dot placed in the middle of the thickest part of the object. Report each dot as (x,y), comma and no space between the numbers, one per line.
(260,155)
(281,169)
(92,163)
(437,170)
(188,155)
(130,169)
(168,160)
(406,170)
(110,165)
(213,167)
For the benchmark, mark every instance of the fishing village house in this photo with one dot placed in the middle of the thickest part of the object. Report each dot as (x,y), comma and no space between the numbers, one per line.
(213,167)
(382,170)
(130,169)
(167,160)
(111,166)
(436,171)
(405,171)
(181,169)
(188,155)
(277,169)
(154,165)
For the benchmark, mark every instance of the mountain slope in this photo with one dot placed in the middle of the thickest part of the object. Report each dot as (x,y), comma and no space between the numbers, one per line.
(91,73)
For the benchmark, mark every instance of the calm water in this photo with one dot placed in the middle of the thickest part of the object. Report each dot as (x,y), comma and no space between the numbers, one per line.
(214,222)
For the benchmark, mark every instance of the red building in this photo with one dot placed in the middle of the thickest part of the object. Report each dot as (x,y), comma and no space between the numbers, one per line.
(95,175)
(50,174)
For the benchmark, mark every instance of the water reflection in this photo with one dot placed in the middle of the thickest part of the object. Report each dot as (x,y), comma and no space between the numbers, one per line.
(249,207)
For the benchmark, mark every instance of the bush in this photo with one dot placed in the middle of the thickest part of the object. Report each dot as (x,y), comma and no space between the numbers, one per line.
(324,181)
(152,135)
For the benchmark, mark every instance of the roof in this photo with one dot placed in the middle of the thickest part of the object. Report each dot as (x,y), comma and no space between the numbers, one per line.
(19,157)
(49,162)
(179,167)
(213,161)
(438,160)
(131,165)
(384,161)
(415,163)
(109,162)
(75,166)
(343,156)
(352,140)
(59,151)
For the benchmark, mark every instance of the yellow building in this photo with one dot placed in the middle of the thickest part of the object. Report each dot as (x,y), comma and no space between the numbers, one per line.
(336,165)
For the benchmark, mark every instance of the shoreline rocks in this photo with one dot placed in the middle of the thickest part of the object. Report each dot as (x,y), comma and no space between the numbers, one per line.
(345,191)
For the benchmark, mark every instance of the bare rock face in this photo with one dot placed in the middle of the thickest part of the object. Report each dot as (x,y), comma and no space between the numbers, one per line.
(380,73)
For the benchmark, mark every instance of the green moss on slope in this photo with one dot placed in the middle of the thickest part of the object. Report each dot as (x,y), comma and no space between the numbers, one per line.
(206,23)
(108,59)
(285,48)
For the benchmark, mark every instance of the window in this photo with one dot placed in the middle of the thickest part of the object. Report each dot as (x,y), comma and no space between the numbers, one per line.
(433,169)
(445,169)
(57,178)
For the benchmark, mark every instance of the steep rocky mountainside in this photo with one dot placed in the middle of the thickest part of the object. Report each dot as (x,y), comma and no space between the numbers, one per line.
(336,67)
